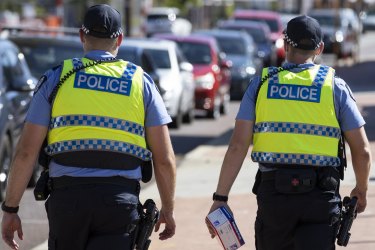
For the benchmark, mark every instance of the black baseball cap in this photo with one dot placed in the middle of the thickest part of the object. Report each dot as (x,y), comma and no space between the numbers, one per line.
(303,32)
(102,21)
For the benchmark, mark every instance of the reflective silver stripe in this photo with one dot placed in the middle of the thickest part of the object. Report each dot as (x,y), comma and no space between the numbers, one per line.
(100,145)
(97,121)
(297,128)
(300,159)
(321,76)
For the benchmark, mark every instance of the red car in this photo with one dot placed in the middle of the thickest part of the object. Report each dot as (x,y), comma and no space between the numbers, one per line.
(273,20)
(211,72)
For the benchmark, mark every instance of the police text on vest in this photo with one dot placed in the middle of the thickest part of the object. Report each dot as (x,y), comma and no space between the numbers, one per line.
(294,92)
(109,84)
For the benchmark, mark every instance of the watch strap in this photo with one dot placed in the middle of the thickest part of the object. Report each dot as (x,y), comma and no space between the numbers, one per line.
(217,197)
(7,209)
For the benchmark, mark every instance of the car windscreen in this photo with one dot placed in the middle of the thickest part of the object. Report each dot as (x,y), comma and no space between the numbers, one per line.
(41,57)
(272,23)
(230,45)
(160,57)
(196,53)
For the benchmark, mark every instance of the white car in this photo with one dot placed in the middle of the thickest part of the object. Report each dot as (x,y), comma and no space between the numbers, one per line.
(166,20)
(176,80)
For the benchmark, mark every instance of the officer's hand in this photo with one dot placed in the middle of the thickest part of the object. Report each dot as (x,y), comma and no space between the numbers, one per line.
(11,222)
(214,206)
(362,199)
(170,225)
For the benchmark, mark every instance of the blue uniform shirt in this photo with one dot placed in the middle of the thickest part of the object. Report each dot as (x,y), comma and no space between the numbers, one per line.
(40,113)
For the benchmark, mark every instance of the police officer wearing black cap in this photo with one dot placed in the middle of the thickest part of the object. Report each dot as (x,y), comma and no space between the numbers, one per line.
(295,116)
(103,122)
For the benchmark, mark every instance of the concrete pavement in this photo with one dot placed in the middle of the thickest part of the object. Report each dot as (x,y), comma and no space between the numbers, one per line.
(197,177)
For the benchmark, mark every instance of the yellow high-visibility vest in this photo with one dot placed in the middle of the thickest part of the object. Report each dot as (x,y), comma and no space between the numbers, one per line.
(98,116)
(295,120)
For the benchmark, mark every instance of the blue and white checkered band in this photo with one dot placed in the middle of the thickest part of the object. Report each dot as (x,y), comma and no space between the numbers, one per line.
(99,144)
(274,75)
(321,76)
(297,128)
(77,63)
(298,159)
(97,121)
(129,71)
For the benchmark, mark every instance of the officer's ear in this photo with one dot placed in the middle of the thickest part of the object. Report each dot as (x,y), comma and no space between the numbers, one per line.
(319,50)
(81,35)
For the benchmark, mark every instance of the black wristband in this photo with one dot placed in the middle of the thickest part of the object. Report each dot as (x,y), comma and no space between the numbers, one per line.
(217,197)
(7,209)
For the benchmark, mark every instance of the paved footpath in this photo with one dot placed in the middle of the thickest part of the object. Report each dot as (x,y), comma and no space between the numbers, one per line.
(196,181)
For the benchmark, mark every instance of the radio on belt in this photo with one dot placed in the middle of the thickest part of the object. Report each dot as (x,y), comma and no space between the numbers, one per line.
(226,229)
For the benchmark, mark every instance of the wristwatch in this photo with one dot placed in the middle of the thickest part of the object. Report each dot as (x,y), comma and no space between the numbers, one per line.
(217,197)
(7,209)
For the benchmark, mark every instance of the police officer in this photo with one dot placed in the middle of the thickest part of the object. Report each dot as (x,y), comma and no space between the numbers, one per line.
(294,116)
(104,119)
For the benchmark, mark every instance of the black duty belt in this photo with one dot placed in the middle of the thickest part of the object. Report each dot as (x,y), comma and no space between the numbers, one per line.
(68,181)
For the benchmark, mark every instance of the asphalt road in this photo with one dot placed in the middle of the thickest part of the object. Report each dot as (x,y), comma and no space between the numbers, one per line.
(189,137)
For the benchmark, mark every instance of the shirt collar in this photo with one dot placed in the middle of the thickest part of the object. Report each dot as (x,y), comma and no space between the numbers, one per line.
(99,55)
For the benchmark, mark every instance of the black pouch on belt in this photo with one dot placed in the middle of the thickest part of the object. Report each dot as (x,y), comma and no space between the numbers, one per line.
(295,181)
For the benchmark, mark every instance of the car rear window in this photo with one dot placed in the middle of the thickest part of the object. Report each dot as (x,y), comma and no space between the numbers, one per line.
(128,54)
(257,34)
(231,45)
(196,53)
(41,57)
(160,57)
(272,23)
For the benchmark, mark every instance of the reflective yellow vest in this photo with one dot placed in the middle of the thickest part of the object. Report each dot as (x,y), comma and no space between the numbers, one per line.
(295,120)
(98,117)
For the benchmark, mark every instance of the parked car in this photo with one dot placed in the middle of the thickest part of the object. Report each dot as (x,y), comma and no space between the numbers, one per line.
(261,35)
(176,80)
(341,31)
(241,50)
(165,20)
(16,86)
(273,20)
(210,72)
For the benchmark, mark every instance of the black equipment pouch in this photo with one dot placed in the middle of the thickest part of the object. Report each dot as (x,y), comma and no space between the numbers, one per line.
(149,215)
(147,168)
(295,181)
(43,186)
(342,156)
(328,179)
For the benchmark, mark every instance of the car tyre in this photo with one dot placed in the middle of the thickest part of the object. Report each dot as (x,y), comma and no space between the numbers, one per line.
(176,121)
(189,116)
(224,108)
(214,113)
(5,160)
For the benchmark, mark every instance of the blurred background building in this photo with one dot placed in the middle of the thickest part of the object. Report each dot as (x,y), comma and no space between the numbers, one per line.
(201,13)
